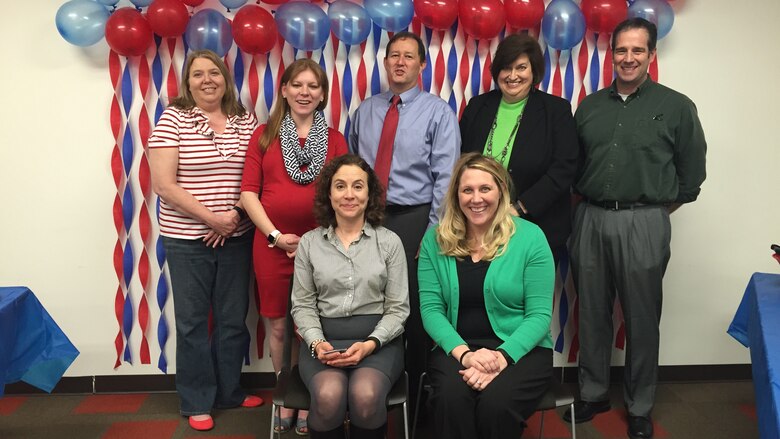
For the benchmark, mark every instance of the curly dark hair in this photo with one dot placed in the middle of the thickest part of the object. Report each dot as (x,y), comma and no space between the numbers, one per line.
(323,210)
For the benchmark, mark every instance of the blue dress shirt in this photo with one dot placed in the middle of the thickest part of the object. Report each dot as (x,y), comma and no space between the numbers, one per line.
(427,145)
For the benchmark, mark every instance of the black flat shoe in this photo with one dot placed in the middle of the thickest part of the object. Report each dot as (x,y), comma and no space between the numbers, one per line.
(640,427)
(584,411)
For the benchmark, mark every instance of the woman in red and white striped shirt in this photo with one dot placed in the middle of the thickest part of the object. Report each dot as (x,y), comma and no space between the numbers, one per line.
(197,153)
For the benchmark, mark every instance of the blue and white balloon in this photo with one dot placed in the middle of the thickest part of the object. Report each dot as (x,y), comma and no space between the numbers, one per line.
(208,29)
(82,22)
(304,25)
(390,15)
(563,24)
(659,12)
(233,4)
(349,21)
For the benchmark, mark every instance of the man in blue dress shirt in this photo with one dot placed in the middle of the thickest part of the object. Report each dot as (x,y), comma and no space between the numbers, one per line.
(427,144)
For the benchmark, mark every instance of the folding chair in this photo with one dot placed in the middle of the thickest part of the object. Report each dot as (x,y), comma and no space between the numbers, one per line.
(290,392)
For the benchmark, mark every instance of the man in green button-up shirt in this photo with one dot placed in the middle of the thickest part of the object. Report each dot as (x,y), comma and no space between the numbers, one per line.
(643,153)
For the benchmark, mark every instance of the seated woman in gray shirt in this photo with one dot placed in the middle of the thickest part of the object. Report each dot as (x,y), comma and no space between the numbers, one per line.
(350,300)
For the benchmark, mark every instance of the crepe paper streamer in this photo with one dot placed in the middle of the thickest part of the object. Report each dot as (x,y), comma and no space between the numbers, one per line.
(162,298)
(607,66)
(595,65)
(568,81)
(254,83)
(547,70)
(172,82)
(375,78)
(563,303)
(653,71)
(361,78)
(487,78)
(238,71)
(427,72)
(582,64)
(557,88)
(475,72)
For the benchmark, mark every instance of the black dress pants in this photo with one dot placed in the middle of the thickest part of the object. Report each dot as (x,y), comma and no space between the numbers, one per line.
(499,410)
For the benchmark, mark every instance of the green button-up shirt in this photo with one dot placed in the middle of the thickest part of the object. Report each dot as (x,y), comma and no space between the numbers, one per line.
(649,148)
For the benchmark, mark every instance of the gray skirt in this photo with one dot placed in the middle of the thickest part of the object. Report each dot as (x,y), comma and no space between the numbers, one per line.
(342,333)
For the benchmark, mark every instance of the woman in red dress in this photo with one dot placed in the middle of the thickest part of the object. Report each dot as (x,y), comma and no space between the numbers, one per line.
(284,159)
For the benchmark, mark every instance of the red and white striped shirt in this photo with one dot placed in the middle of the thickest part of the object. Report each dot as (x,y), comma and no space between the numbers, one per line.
(210,166)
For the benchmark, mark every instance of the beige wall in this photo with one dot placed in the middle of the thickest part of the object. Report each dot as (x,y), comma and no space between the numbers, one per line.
(57,235)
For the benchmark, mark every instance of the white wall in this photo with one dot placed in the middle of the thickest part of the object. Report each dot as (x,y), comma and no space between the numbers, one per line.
(56,187)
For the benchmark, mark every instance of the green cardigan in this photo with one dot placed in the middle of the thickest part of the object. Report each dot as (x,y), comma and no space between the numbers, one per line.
(518,292)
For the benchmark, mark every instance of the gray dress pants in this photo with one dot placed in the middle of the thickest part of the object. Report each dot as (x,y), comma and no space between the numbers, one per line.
(623,252)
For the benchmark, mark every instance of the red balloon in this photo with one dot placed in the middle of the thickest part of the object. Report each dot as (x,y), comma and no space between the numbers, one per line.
(524,14)
(128,32)
(437,14)
(603,15)
(275,2)
(482,19)
(193,3)
(254,30)
(168,18)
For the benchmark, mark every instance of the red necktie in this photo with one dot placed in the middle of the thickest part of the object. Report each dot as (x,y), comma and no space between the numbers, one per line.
(384,155)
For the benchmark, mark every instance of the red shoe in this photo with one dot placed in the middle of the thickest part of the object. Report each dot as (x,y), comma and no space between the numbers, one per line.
(203,424)
(252,401)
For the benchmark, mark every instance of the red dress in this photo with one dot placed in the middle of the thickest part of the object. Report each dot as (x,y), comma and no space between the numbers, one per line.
(289,206)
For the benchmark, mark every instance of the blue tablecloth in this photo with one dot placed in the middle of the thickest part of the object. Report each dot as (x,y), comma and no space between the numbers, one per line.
(33,348)
(757,326)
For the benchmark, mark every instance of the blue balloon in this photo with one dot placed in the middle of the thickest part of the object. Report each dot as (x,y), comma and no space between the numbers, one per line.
(659,12)
(107,2)
(563,24)
(233,4)
(390,15)
(141,3)
(349,21)
(82,22)
(303,25)
(208,29)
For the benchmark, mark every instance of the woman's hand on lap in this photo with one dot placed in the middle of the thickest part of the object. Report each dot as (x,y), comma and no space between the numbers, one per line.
(354,355)
(484,360)
(476,379)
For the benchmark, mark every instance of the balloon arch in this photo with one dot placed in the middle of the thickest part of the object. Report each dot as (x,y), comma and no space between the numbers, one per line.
(149,40)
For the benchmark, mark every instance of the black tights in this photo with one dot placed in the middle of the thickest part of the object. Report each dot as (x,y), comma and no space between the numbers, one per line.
(364,391)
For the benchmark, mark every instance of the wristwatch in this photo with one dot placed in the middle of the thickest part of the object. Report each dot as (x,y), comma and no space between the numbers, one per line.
(273,237)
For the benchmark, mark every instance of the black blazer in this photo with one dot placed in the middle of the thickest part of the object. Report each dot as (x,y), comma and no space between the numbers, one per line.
(544,156)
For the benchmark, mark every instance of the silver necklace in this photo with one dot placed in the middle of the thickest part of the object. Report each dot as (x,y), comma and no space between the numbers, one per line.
(511,137)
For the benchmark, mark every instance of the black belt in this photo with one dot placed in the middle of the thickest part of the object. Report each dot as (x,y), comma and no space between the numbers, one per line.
(398,208)
(619,205)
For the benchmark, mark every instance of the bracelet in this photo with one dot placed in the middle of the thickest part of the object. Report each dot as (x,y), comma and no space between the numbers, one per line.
(460,359)
(241,212)
(314,347)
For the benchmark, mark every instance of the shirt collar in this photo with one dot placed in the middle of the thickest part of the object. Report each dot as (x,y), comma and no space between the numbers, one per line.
(330,232)
(406,97)
(646,85)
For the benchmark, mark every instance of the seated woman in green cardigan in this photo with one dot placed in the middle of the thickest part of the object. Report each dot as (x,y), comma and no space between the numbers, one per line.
(486,295)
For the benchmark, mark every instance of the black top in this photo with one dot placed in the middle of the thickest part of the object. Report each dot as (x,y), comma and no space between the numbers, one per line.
(544,157)
(473,322)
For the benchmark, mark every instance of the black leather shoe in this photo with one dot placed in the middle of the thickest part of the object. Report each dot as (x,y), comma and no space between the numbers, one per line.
(640,427)
(584,411)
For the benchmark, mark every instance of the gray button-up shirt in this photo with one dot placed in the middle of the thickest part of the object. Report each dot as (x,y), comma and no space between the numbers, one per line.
(368,278)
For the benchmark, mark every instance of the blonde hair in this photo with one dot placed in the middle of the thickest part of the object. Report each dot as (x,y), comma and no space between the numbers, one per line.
(281,107)
(230,104)
(452,231)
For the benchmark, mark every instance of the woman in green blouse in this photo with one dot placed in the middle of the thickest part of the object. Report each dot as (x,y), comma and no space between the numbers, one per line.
(486,293)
